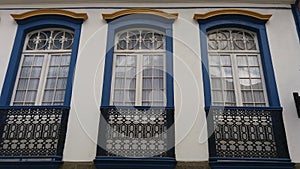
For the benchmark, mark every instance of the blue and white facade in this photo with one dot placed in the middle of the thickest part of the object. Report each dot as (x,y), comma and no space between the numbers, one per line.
(149,85)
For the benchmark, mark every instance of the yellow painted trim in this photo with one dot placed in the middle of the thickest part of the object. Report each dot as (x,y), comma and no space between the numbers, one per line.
(39,12)
(232,12)
(140,11)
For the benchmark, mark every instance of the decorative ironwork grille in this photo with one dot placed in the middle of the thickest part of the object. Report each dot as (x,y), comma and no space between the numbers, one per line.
(140,39)
(50,39)
(244,133)
(33,131)
(232,39)
(135,133)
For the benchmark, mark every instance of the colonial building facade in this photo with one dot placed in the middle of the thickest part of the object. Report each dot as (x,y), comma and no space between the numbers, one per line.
(149,85)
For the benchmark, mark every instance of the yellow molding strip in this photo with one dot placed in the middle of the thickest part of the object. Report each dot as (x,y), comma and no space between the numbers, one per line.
(140,11)
(38,12)
(232,12)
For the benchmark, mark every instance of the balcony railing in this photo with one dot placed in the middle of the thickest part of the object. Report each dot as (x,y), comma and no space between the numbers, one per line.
(246,133)
(136,132)
(32,132)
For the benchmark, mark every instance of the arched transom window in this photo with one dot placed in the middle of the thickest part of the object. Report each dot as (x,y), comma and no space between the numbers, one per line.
(139,68)
(236,75)
(44,67)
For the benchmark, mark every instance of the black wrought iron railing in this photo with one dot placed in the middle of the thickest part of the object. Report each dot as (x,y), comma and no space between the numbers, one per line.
(33,132)
(136,132)
(246,133)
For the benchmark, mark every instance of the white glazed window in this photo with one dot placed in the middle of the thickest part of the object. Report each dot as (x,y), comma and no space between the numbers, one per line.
(236,75)
(139,68)
(44,67)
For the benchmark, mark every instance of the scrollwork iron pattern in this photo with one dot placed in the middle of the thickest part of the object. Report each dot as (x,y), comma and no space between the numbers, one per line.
(231,39)
(55,39)
(136,133)
(31,131)
(143,39)
(244,133)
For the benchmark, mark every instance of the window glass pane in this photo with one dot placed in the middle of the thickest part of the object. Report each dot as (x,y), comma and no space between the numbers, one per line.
(217,96)
(228,83)
(216,83)
(157,83)
(130,72)
(51,82)
(28,60)
(121,60)
(119,83)
(65,60)
(22,84)
(55,60)
(158,60)
(226,72)
(132,84)
(147,83)
(53,71)
(256,84)
(147,72)
(61,83)
(38,60)
(214,60)
(120,71)
(229,96)
(215,72)
(63,71)
(259,97)
(225,60)
(252,60)
(242,60)
(59,95)
(48,96)
(158,72)
(33,84)
(245,84)
(20,95)
(146,95)
(30,96)
(36,72)
(243,72)
(247,96)
(254,72)
(131,60)
(118,95)
(25,72)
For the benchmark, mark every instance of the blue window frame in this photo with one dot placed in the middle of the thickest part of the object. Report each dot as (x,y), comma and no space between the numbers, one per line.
(138,21)
(36,23)
(147,158)
(246,23)
(53,24)
(230,127)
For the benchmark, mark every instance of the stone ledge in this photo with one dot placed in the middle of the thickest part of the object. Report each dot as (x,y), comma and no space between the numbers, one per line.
(78,165)
(192,165)
(180,165)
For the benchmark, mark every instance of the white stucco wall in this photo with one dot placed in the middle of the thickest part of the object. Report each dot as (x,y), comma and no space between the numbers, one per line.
(190,124)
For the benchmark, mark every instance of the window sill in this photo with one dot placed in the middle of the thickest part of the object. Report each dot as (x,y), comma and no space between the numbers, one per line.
(102,162)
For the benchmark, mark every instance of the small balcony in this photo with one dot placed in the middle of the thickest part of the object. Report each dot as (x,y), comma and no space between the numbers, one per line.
(136,137)
(32,137)
(252,137)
